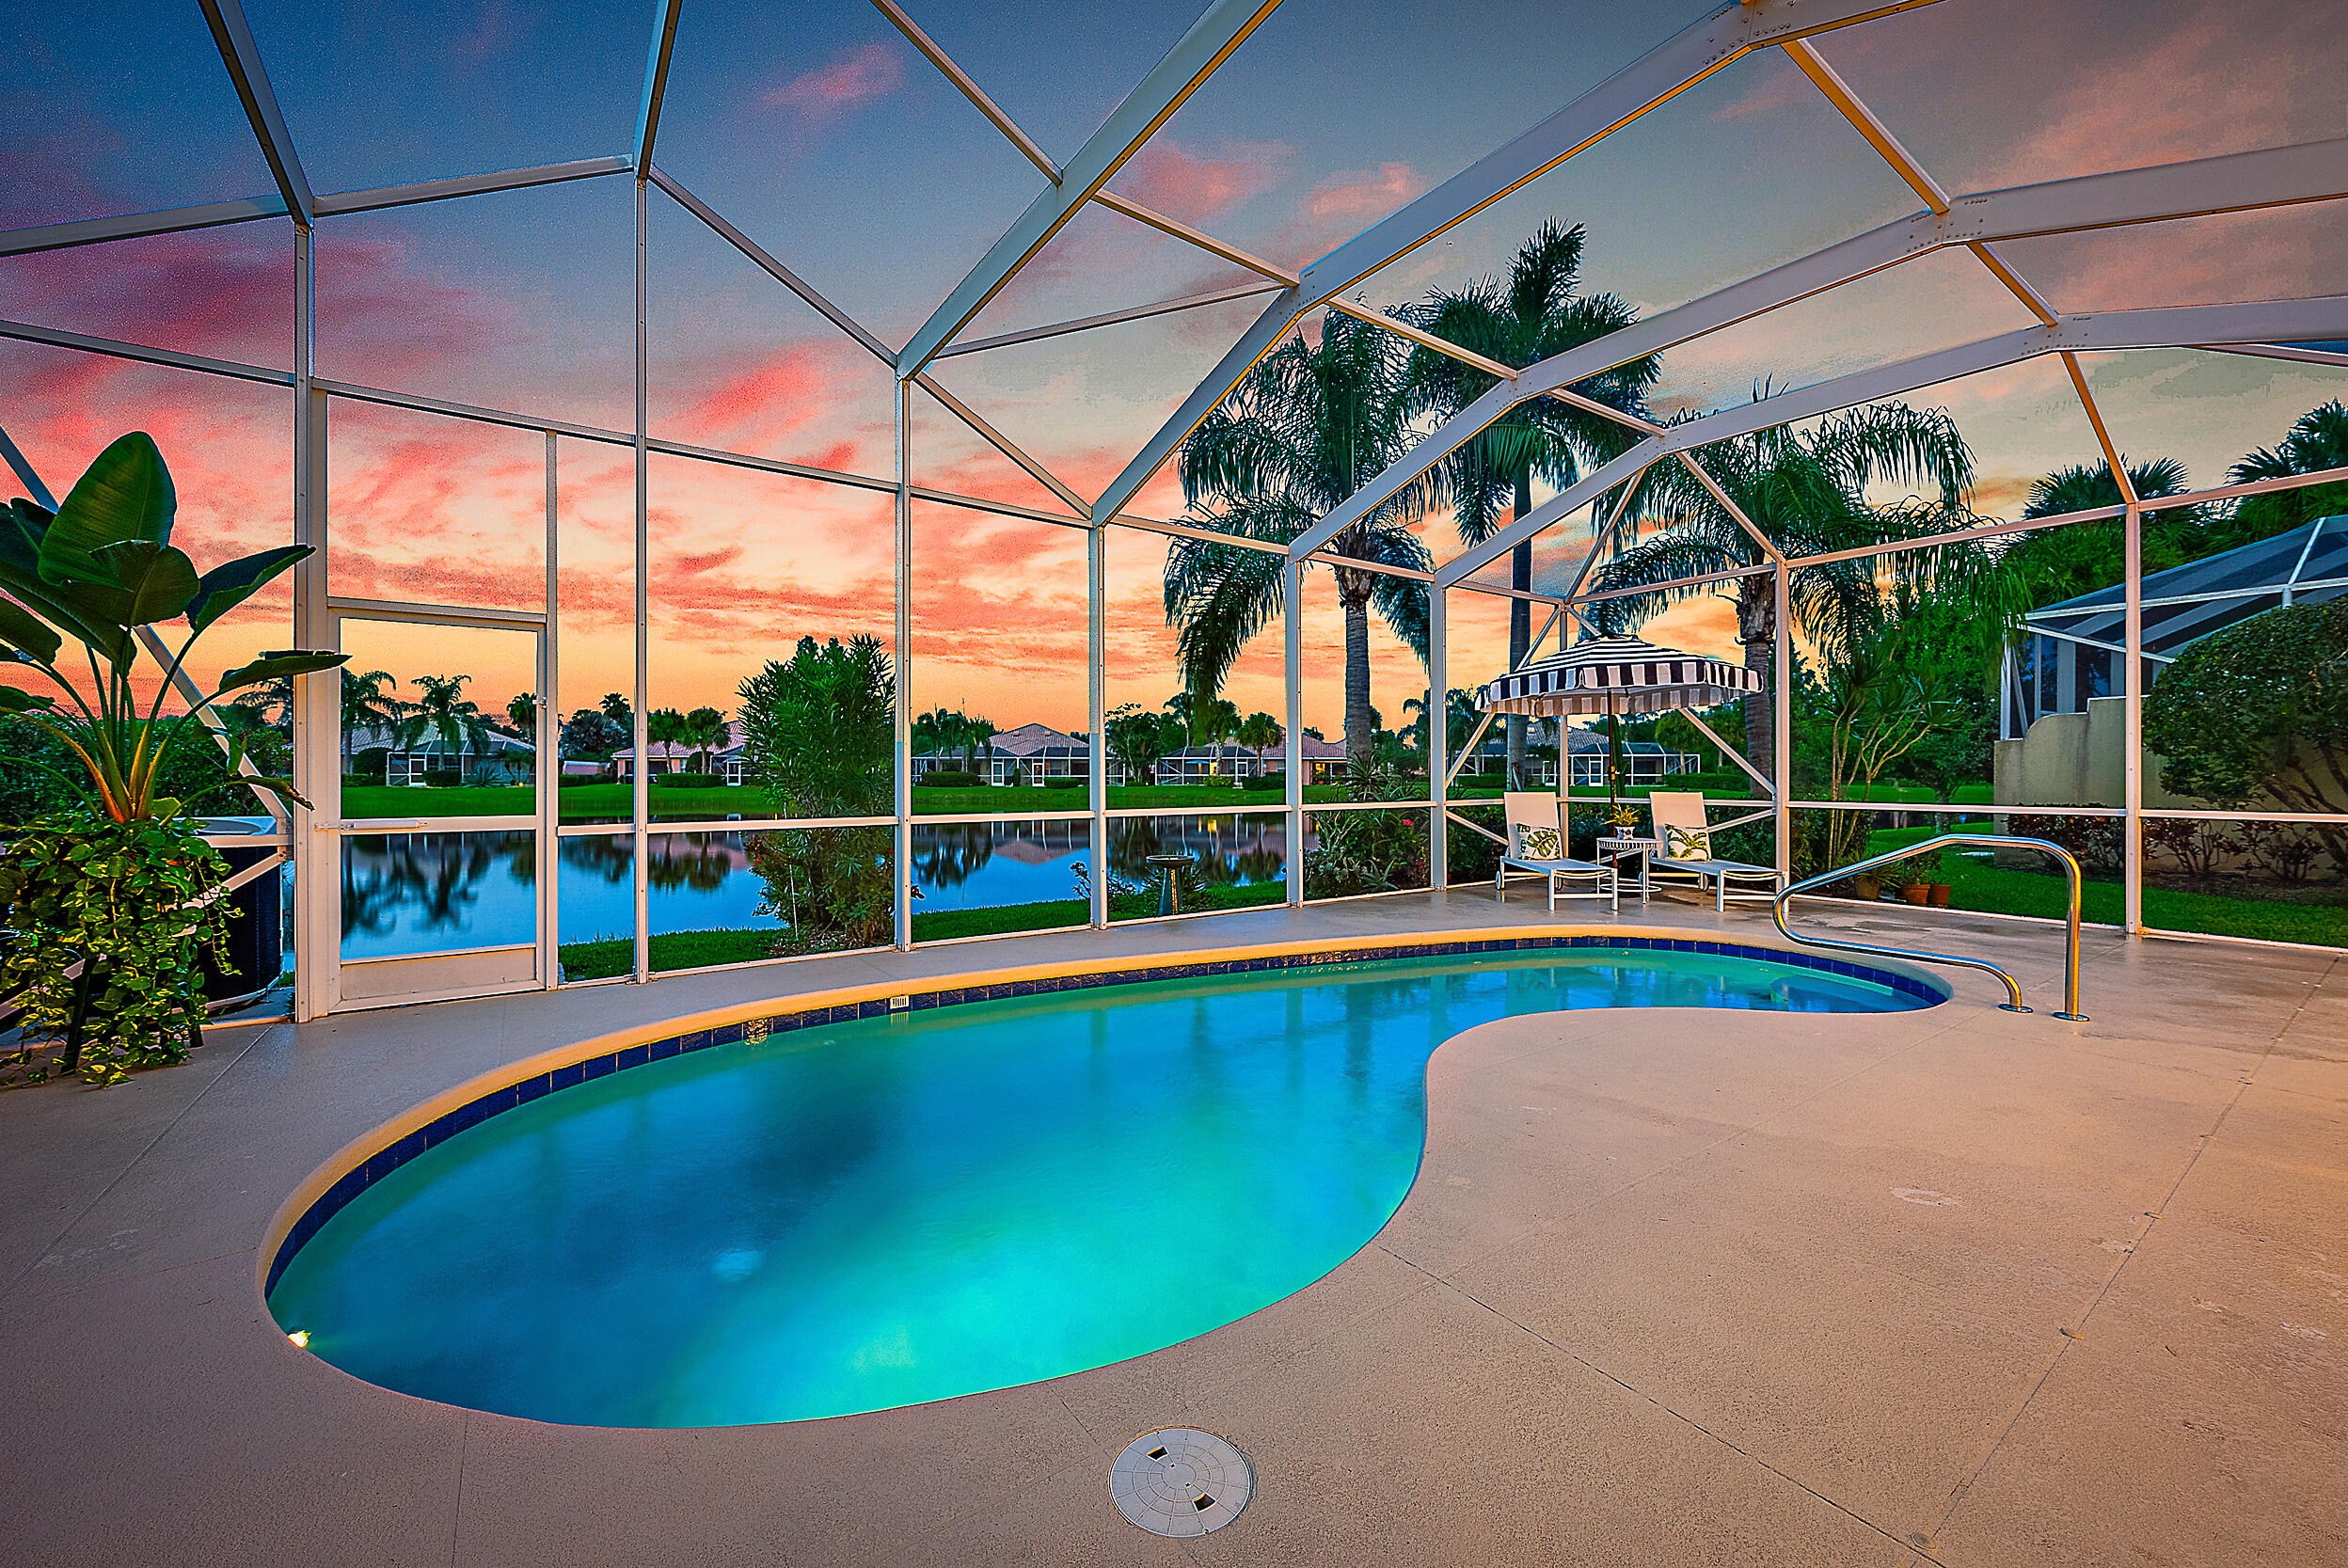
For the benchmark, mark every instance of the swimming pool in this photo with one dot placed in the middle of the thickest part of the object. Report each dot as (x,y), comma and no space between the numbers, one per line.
(890,1207)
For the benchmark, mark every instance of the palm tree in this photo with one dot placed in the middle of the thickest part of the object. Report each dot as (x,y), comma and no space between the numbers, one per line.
(1459,719)
(1259,733)
(616,708)
(368,704)
(2318,440)
(443,713)
(705,731)
(2063,562)
(1807,493)
(521,711)
(664,726)
(1534,313)
(1305,428)
(977,734)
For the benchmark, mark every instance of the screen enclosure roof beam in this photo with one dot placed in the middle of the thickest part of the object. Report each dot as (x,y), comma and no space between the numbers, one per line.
(1195,56)
(2313,171)
(212,214)
(2171,326)
(1671,67)
(243,58)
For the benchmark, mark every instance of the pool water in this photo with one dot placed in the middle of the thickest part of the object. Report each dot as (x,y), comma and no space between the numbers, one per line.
(894,1209)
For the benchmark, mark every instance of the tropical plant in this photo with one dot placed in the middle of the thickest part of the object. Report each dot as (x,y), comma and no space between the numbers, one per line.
(521,712)
(818,735)
(1302,431)
(121,885)
(99,570)
(619,710)
(1537,311)
(443,714)
(2317,441)
(1807,492)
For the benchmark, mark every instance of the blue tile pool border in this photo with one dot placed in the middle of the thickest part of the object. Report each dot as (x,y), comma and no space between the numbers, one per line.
(391,1156)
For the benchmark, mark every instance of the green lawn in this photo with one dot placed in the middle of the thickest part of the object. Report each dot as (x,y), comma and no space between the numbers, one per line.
(1980,884)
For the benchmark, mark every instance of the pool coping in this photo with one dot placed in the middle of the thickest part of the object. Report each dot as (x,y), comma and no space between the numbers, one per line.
(384,1148)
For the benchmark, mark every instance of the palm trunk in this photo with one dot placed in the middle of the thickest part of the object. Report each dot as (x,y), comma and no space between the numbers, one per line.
(1520,629)
(1353,589)
(1760,715)
(1756,629)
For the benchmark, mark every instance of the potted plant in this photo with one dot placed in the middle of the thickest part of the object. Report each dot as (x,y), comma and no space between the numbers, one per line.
(1624,819)
(1916,876)
(112,898)
(1868,886)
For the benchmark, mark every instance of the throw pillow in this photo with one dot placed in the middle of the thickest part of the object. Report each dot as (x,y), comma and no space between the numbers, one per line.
(1536,843)
(1687,843)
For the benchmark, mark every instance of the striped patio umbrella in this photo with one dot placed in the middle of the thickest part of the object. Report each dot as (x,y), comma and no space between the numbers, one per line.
(1614,675)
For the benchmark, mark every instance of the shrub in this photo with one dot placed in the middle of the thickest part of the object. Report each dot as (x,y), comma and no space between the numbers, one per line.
(1367,851)
(116,896)
(688,781)
(818,732)
(2283,852)
(2099,842)
(1064,783)
(948,778)
(2258,710)
(2194,843)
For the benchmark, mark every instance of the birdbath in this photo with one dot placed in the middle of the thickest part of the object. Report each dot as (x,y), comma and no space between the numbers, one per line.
(1170,901)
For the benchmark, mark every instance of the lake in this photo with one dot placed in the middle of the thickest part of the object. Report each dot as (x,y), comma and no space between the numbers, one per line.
(407,893)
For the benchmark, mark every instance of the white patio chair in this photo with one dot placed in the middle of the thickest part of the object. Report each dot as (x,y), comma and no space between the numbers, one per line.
(1535,812)
(1685,851)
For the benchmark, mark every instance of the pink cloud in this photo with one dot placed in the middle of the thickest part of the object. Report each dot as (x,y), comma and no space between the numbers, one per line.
(792,395)
(852,78)
(1197,188)
(1361,197)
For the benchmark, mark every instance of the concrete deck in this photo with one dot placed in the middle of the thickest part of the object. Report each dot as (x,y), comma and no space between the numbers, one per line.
(1952,1286)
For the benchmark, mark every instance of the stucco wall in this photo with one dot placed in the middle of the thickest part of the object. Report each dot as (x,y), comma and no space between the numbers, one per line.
(2077,759)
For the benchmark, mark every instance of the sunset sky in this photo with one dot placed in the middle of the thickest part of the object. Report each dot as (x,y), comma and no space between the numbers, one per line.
(823,135)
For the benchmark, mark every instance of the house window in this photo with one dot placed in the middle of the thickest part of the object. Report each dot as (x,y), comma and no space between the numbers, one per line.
(2095,673)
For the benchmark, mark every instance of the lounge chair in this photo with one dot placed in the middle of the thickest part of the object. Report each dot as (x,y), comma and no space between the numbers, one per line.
(1685,851)
(1535,812)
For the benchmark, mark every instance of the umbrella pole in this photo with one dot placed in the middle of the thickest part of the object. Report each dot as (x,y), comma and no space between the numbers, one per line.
(1613,757)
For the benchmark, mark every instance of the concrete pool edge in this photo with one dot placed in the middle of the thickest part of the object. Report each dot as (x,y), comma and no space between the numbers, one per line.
(384,1148)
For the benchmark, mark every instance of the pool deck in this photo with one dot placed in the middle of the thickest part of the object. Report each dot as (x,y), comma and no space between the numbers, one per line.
(1689,1287)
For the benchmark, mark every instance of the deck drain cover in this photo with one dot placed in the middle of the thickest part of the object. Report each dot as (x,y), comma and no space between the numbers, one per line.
(1180,1482)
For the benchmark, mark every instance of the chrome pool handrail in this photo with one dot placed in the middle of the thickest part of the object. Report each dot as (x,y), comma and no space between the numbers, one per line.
(2013,987)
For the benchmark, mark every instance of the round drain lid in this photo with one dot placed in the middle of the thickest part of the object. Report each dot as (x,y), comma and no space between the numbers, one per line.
(1180,1482)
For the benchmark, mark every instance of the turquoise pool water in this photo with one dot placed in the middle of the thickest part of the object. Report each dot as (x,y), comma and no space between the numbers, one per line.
(894,1209)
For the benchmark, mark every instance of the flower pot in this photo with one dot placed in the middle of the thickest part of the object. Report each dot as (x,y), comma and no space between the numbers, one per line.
(1919,894)
(1941,892)
(1868,886)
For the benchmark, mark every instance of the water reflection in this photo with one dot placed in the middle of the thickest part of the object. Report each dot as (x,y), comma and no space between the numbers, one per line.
(431,893)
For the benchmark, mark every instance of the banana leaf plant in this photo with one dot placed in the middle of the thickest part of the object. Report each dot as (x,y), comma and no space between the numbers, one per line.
(97,571)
